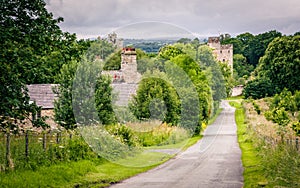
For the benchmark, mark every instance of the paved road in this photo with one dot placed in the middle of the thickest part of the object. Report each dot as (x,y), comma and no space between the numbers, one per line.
(215,161)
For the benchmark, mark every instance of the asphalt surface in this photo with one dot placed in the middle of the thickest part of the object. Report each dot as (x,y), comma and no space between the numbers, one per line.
(215,161)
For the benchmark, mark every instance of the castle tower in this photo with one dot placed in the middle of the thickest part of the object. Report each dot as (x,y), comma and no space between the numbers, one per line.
(129,65)
(223,53)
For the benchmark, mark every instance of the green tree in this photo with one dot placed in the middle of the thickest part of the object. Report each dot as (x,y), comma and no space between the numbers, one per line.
(227,74)
(63,109)
(184,40)
(200,82)
(156,99)
(32,50)
(241,67)
(168,52)
(281,63)
(257,46)
(103,100)
(213,73)
(259,88)
(100,49)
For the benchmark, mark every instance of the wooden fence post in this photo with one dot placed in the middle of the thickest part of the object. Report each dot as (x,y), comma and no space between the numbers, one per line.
(9,161)
(57,138)
(297,144)
(44,141)
(26,144)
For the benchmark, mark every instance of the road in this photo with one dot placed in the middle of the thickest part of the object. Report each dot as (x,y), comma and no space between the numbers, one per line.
(215,161)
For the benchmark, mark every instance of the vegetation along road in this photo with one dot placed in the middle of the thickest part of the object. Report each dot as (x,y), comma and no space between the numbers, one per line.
(215,161)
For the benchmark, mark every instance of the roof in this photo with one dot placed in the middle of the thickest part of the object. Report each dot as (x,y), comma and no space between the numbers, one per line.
(124,92)
(42,94)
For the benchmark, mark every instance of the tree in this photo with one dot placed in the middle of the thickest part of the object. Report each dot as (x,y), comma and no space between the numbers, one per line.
(168,52)
(241,67)
(156,99)
(32,44)
(63,109)
(281,63)
(227,74)
(103,100)
(259,88)
(184,40)
(197,76)
(213,74)
(100,49)
(257,46)
(29,38)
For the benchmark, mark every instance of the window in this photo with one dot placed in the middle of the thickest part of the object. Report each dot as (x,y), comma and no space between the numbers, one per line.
(228,51)
(220,51)
(223,60)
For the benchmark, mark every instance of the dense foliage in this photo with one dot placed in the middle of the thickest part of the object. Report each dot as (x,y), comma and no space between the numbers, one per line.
(278,69)
(284,110)
(33,49)
(156,99)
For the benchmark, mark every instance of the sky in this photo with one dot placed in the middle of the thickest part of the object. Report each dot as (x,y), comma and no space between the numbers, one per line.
(200,18)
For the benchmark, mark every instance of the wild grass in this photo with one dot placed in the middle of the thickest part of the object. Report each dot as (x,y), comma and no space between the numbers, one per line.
(267,163)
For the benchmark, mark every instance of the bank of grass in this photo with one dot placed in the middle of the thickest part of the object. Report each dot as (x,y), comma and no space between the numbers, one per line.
(84,173)
(253,171)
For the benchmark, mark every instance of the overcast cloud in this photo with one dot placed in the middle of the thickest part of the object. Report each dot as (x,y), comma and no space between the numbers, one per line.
(92,18)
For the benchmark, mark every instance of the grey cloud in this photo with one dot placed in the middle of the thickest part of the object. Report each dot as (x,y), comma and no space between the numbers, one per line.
(91,17)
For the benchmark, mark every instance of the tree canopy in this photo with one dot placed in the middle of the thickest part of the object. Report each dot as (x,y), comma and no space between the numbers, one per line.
(32,50)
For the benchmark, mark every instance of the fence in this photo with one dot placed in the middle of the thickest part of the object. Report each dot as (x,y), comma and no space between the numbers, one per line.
(293,143)
(33,149)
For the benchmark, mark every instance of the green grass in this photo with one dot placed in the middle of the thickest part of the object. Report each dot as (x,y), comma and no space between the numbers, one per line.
(88,173)
(253,171)
(99,173)
(93,173)
(235,97)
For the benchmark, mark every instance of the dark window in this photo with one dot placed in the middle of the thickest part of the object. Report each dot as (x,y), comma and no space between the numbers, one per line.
(220,51)
(223,60)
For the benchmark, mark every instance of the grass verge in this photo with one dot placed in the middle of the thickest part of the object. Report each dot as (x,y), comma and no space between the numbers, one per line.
(91,173)
(253,171)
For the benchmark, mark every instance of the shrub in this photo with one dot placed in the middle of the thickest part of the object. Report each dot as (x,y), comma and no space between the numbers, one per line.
(124,134)
(278,115)
(259,88)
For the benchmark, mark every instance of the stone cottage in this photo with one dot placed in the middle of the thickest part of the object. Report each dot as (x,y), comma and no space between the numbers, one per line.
(44,97)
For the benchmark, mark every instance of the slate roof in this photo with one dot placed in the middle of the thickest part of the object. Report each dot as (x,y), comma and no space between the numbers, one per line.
(124,92)
(42,94)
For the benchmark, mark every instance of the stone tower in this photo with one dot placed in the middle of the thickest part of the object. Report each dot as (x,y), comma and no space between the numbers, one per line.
(129,65)
(224,53)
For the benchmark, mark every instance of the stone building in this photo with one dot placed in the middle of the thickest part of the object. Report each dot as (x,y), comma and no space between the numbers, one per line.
(43,96)
(223,53)
(113,38)
(125,80)
(128,72)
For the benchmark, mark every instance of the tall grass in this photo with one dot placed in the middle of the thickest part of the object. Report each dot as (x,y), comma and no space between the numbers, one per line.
(268,164)
(65,149)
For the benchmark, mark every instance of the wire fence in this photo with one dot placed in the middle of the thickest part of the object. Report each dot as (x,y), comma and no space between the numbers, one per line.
(293,143)
(33,149)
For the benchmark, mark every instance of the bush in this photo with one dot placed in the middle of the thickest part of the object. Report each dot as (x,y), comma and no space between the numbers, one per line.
(278,115)
(259,88)
(124,134)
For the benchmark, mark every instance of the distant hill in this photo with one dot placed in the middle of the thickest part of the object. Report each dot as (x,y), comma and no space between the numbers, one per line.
(148,45)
